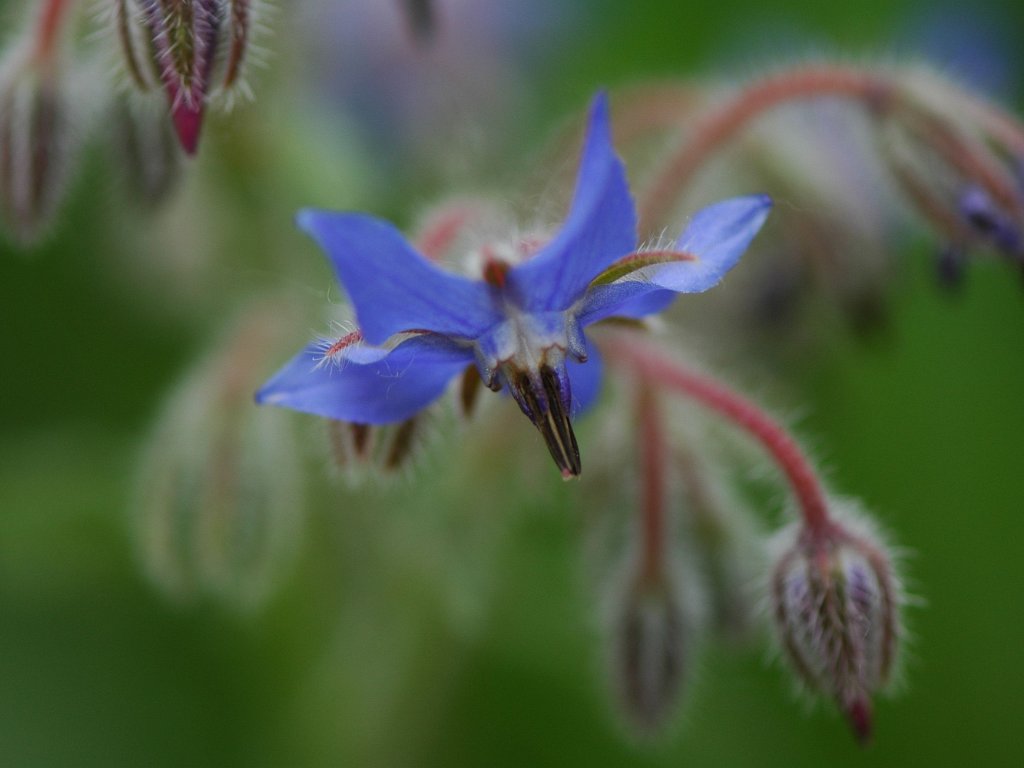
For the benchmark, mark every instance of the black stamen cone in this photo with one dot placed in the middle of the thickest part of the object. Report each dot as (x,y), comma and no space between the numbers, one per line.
(549,414)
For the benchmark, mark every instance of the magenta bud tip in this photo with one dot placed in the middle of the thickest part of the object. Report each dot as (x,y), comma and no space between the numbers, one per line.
(859,716)
(188,121)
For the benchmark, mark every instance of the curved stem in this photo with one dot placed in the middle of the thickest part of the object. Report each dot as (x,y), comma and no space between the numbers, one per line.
(648,363)
(727,120)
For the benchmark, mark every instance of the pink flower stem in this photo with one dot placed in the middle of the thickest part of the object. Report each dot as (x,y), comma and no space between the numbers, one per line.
(655,370)
(652,451)
(51,23)
(723,123)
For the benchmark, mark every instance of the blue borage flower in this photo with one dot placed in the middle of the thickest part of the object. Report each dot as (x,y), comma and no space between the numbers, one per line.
(521,325)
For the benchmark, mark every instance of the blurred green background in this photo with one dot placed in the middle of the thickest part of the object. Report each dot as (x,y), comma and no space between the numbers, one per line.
(423,624)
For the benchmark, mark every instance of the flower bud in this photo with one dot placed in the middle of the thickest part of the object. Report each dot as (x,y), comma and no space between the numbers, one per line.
(195,50)
(649,657)
(953,158)
(836,604)
(145,148)
(421,17)
(218,511)
(36,146)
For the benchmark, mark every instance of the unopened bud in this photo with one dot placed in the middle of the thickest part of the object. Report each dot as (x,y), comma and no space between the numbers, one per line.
(422,19)
(195,50)
(36,144)
(951,159)
(219,505)
(648,652)
(988,221)
(950,267)
(836,604)
(145,148)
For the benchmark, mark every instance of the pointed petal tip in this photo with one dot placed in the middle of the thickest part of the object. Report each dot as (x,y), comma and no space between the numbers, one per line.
(599,120)
(306,219)
(263,396)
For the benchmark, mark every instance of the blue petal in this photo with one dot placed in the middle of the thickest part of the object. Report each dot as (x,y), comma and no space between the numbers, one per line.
(628,298)
(717,235)
(370,386)
(600,227)
(392,287)
(585,380)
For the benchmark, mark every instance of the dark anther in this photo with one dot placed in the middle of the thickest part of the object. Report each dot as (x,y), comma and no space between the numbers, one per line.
(469,388)
(548,413)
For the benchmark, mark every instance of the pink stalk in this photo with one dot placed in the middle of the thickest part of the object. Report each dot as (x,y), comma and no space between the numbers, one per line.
(648,363)
(51,23)
(723,123)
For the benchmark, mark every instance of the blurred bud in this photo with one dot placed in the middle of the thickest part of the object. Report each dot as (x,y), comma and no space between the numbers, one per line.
(648,655)
(36,143)
(950,267)
(954,157)
(219,500)
(422,18)
(195,50)
(988,221)
(725,544)
(146,149)
(836,604)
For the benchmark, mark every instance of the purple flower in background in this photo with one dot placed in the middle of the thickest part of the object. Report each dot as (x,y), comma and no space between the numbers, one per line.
(522,324)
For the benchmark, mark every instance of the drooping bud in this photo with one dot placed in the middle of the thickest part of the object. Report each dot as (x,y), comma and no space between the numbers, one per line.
(195,50)
(950,267)
(422,18)
(955,159)
(145,147)
(988,221)
(649,644)
(219,511)
(36,141)
(836,603)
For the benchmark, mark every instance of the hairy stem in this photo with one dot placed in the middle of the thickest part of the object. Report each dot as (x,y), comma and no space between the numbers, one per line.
(648,363)
(724,122)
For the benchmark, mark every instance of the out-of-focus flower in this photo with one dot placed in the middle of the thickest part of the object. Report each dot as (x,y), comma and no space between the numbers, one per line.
(649,654)
(412,94)
(956,158)
(219,506)
(522,325)
(422,17)
(836,603)
(146,148)
(37,140)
